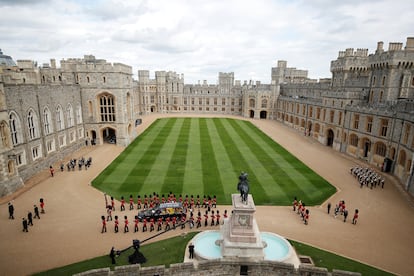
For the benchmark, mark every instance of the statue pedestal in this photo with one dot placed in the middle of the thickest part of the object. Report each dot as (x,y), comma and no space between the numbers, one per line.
(241,235)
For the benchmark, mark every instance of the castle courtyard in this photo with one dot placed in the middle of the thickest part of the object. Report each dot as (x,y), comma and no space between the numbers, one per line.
(69,231)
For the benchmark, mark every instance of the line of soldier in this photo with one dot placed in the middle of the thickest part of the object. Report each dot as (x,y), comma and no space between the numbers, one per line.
(71,165)
(150,201)
(300,208)
(368,177)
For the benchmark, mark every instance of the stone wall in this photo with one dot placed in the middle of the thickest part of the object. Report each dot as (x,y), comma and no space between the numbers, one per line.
(219,268)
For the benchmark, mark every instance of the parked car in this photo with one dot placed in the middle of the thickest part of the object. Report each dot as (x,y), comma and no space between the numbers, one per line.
(164,210)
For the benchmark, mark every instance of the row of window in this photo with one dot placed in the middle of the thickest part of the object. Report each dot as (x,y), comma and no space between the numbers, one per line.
(48,123)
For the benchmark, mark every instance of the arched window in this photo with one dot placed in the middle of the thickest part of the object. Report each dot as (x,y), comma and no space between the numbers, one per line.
(69,115)
(4,134)
(15,129)
(32,124)
(252,103)
(264,103)
(402,158)
(47,126)
(79,118)
(60,124)
(107,108)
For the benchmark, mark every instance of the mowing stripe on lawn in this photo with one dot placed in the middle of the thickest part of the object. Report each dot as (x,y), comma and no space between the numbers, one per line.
(192,183)
(148,158)
(174,179)
(211,174)
(242,158)
(281,176)
(156,176)
(313,185)
(227,172)
(140,158)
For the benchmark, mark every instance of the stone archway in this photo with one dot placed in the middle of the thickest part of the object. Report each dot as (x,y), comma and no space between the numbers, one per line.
(251,115)
(330,137)
(108,135)
(93,137)
(263,114)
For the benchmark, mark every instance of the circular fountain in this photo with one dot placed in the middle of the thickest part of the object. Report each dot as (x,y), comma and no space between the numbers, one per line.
(239,237)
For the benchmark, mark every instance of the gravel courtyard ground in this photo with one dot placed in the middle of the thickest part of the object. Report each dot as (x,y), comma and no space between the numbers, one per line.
(69,231)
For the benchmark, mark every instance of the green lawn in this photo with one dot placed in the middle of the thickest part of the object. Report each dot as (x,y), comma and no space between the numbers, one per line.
(204,156)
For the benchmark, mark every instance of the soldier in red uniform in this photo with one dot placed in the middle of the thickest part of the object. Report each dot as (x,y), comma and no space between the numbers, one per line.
(42,206)
(199,221)
(131,203)
(112,203)
(116,224)
(167,224)
(212,218)
(151,224)
(126,229)
(355,218)
(136,224)
(144,225)
(225,216)
(103,224)
(206,219)
(214,202)
(174,222)
(139,202)
(159,224)
(145,202)
(217,217)
(183,218)
(122,203)
(306,217)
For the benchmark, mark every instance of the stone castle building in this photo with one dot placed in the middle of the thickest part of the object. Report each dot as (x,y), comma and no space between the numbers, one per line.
(365,110)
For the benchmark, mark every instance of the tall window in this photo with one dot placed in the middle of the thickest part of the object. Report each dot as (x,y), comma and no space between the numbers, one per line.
(331,116)
(406,133)
(31,124)
(384,127)
(107,107)
(380,149)
(3,135)
(356,121)
(79,119)
(353,140)
(251,103)
(46,121)
(15,129)
(60,124)
(69,115)
(264,103)
(369,124)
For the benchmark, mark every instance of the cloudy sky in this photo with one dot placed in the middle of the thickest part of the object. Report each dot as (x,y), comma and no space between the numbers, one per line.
(201,38)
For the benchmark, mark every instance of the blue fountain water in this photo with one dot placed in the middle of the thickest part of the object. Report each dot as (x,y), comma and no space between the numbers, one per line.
(277,248)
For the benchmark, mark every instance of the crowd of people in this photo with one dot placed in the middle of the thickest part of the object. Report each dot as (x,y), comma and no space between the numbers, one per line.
(300,208)
(28,220)
(340,209)
(185,216)
(73,163)
(368,177)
